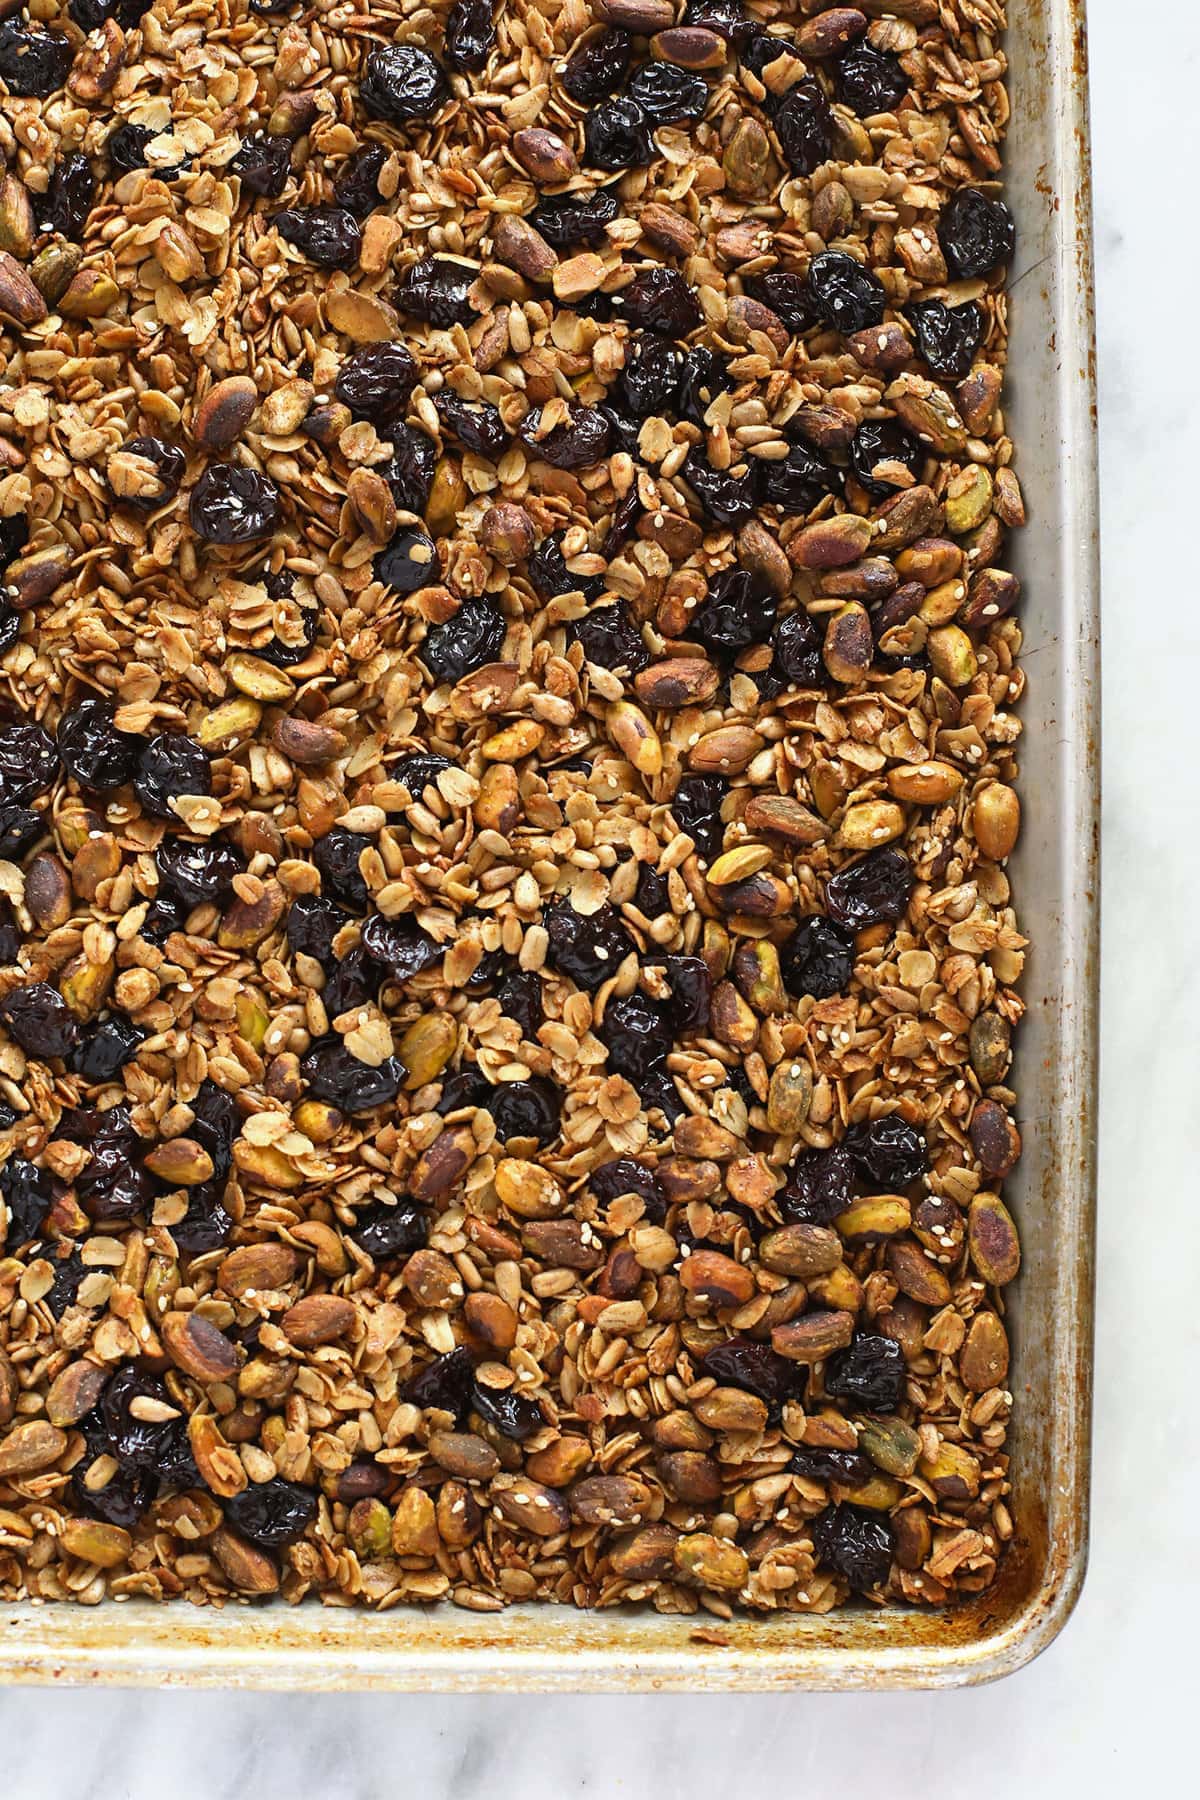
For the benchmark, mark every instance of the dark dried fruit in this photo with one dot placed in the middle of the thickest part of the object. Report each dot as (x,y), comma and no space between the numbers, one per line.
(626,1175)
(170,766)
(445,1384)
(169,465)
(479,427)
(122,1501)
(848,1467)
(232,505)
(697,806)
(799,481)
(93,751)
(383,1232)
(736,611)
(465,642)
(29,1193)
(356,189)
(470,34)
(587,948)
(333,1074)
(745,1363)
(126,147)
(410,472)
(313,922)
(264,164)
(728,18)
(272,1512)
(598,67)
(419,771)
(337,855)
(869,1372)
(33,64)
(691,994)
(466,1087)
(436,290)
(164,915)
(549,575)
(843,293)
(726,496)
(513,1415)
(565,220)
(103,1052)
(68,199)
(519,994)
(401,82)
(40,1020)
(400,946)
(857,1544)
(526,1109)
(889,1150)
(10,627)
(872,891)
(616,136)
(113,1185)
(759,53)
(351,984)
(649,382)
(29,762)
(20,829)
(786,295)
(668,95)
(976,234)
(90,15)
(659,299)
(637,1031)
(817,959)
(580,442)
(10,935)
(819,1187)
(947,336)
(134,1442)
(704,375)
(804,126)
(869,81)
(198,871)
(610,638)
(797,661)
(376,383)
(408,562)
(329,236)
(883,441)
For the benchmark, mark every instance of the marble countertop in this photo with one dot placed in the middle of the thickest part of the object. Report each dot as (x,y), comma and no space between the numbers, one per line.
(1112,1702)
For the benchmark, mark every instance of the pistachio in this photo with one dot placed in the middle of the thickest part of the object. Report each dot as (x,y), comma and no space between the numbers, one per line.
(679,681)
(246,1567)
(89,295)
(830,31)
(16,217)
(506,532)
(992,1240)
(953,1473)
(517,243)
(531,1505)
(747,166)
(916,1276)
(527,1189)
(306,741)
(30,579)
(414,1524)
(426,1047)
(52,269)
(229,724)
(247,922)
(544,156)
(634,736)
(711,1562)
(444,1164)
(993,595)
(912,1537)
(74,1391)
(786,817)
(318,1319)
(372,504)
(758,976)
(92,1541)
(20,300)
(643,17)
(994,1138)
(515,741)
(689,47)
(983,1359)
(726,751)
(891,1445)
(830,543)
(369,1528)
(801,1250)
(669,230)
(559,1464)
(254,1269)
(968,499)
(869,824)
(880,1216)
(30,1448)
(609,1500)
(648,1555)
(952,656)
(996,819)
(761,554)
(924,783)
(708,1275)
(739,864)
(498,805)
(48,891)
(181,1161)
(849,644)
(990,1047)
(447,498)
(789,1095)
(196,1346)
(813,1337)
(224,413)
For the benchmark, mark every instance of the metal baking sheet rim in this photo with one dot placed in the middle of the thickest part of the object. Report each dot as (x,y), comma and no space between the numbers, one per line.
(1050,402)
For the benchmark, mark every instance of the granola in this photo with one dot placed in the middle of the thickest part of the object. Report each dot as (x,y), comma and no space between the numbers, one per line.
(509,967)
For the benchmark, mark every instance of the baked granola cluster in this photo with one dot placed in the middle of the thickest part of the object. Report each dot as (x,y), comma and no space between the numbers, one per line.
(505,786)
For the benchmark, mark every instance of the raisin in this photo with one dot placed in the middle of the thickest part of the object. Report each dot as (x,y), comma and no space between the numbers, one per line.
(745,1363)
(206,1225)
(610,638)
(215,1125)
(804,126)
(468,640)
(168,466)
(819,1187)
(657,1091)
(889,1150)
(844,294)
(232,505)
(519,993)
(198,872)
(33,64)
(667,94)
(401,83)
(786,295)
(176,1466)
(659,299)
(869,81)
(264,164)
(126,147)
(69,197)
(847,1467)
(697,806)
(626,1175)
(113,1184)
(410,472)
(20,829)
(164,915)
(637,1031)
(649,382)
(437,290)
(652,896)
(549,575)
(408,562)
(727,497)
(728,18)
(691,994)
(799,481)
(356,189)
(333,1074)
(948,336)
(376,383)
(759,53)
(273,1512)
(10,627)
(29,762)
(527,1109)
(817,959)
(883,441)
(616,136)
(69,1271)
(869,1372)
(383,1232)
(401,946)
(580,442)
(598,67)
(623,433)
(589,948)
(29,1193)
(704,375)
(737,611)
(470,34)
(478,428)
(419,771)
(286,655)
(10,935)
(132,1440)
(797,660)
(565,220)
(101,1055)
(872,891)
(444,1384)
(466,1087)
(313,922)
(855,1543)
(328,236)
(39,1019)
(337,855)
(169,766)
(513,1415)
(353,982)
(976,234)
(122,1501)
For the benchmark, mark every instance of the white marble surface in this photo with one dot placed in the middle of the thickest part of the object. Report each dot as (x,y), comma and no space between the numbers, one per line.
(1112,1703)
